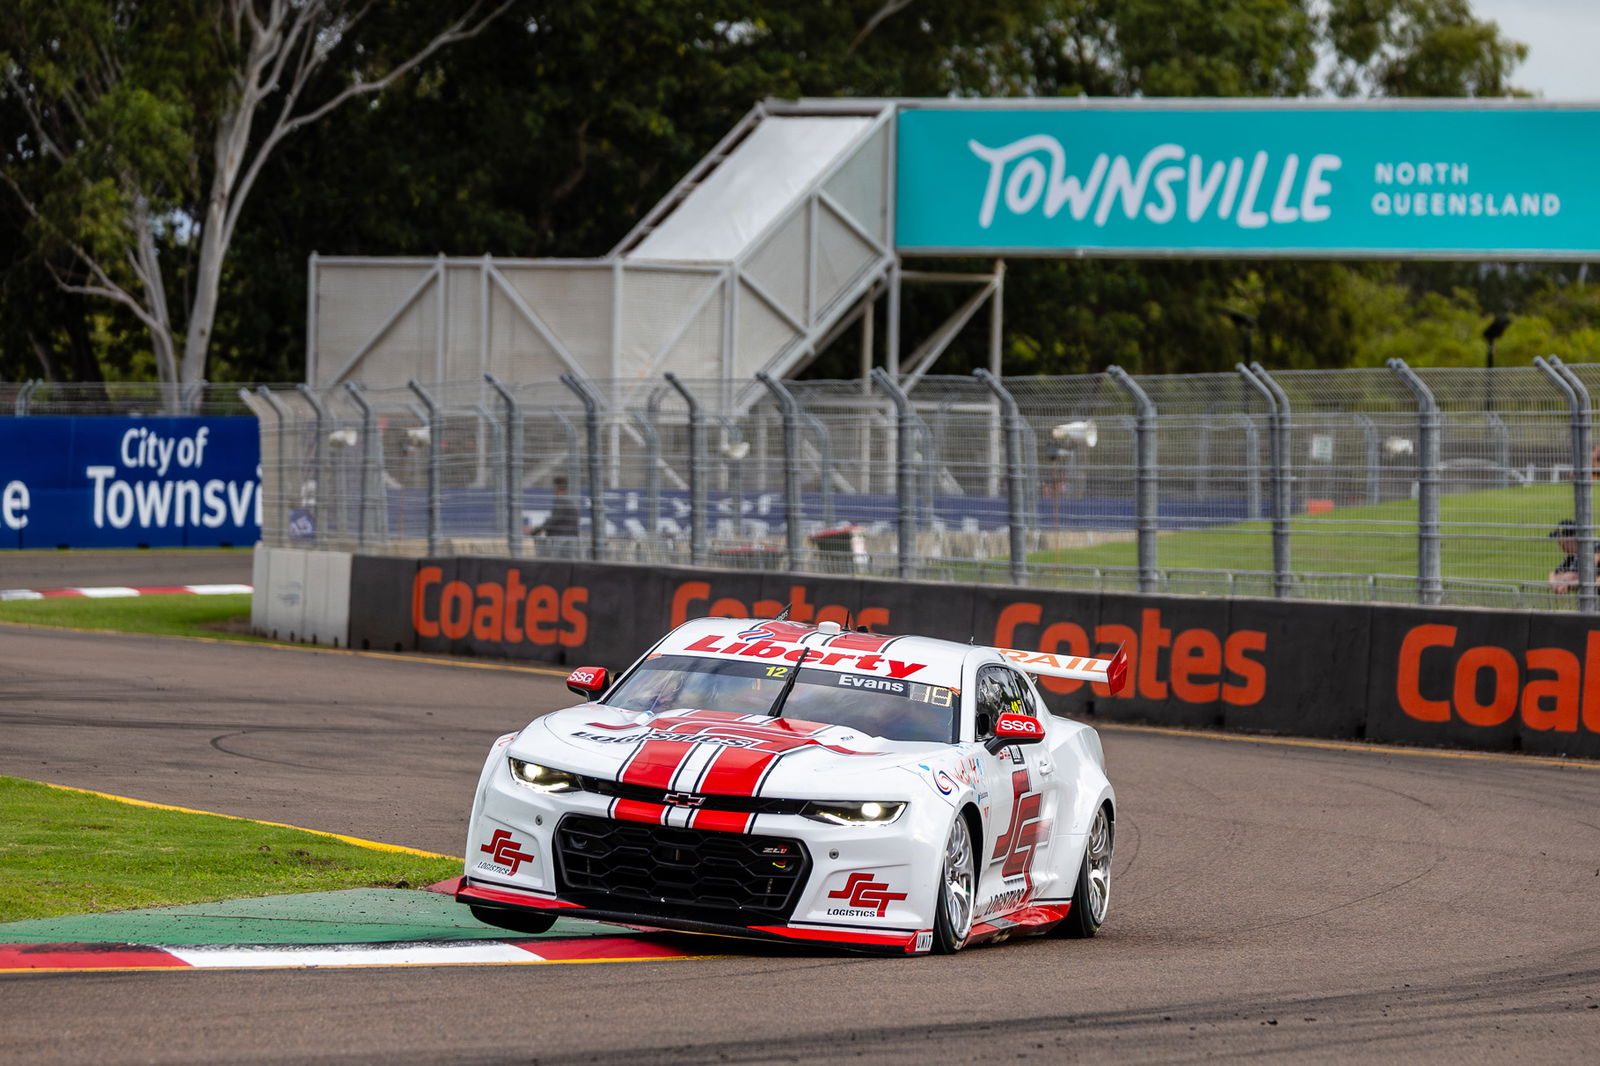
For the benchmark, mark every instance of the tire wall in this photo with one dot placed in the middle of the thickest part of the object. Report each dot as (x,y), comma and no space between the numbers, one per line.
(1494,680)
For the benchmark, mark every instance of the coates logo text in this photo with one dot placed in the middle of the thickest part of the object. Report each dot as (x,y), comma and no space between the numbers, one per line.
(867,898)
(499,611)
(1548,689)
(1192,665)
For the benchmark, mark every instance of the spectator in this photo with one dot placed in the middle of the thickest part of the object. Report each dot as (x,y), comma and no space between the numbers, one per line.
(1564,578)
(560,527)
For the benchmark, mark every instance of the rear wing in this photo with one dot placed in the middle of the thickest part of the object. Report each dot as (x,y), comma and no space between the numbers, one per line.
(1112,672)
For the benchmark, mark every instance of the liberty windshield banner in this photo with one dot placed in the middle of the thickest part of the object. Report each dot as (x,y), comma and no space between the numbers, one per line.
(129,482)
(1502,182)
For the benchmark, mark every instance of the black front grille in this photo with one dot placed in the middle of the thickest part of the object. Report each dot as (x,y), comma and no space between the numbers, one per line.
(678,873)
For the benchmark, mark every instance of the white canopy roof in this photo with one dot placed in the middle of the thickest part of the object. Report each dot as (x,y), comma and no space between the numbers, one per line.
(780,160)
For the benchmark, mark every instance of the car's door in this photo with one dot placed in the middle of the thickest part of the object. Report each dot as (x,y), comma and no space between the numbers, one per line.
(1016,776)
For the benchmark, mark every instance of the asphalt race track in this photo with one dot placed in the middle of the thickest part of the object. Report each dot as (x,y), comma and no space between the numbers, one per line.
(132,567)
(1277,901)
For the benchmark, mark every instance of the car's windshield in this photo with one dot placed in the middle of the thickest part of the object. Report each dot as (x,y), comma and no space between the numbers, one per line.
(892,708)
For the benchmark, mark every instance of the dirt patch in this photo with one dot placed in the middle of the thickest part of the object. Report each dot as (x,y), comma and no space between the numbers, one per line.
(239,626)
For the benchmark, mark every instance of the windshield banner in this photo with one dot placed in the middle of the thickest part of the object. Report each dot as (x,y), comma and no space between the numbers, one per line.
(1509,182)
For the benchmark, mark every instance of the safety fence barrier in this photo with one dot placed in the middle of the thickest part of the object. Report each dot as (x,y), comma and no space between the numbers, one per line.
(1441,486)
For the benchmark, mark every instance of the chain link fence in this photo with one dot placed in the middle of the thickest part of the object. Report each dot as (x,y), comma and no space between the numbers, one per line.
(1440,486)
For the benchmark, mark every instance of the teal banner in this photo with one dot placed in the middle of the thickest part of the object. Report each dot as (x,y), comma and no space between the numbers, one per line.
(1482,182)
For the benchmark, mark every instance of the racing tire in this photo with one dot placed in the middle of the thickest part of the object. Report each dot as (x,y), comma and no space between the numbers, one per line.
(958,882)
(531,922)
(1091,897)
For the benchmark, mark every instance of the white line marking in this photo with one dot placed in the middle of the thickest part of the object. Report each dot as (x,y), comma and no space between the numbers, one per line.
(351,954)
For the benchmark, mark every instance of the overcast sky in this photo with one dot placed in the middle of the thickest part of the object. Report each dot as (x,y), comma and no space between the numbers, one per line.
(1562,38)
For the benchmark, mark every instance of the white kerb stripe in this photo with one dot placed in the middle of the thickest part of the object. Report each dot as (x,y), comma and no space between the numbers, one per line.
(353,954)
(107,592)
(219,590)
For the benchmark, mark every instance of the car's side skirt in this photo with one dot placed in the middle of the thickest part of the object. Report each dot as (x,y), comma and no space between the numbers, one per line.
(1031,920)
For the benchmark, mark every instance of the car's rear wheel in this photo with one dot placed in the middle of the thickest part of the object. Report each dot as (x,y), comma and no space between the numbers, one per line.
(958,880)
(515,921)
(1092,896)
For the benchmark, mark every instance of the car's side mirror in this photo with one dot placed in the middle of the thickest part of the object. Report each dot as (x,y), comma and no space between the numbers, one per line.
(588,681)
(1015,729)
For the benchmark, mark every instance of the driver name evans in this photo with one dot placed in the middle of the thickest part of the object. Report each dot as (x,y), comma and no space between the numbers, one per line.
(876,684)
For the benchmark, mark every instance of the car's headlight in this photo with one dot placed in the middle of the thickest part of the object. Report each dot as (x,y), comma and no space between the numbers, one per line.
(869,812)
(543,778)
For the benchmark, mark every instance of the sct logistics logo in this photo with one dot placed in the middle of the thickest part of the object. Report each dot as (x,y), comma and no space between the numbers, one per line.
(1550,688)
(863,893)
(502,612)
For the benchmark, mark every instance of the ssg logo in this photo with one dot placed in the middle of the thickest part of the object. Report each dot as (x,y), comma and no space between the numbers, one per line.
(864,893)
(505,851)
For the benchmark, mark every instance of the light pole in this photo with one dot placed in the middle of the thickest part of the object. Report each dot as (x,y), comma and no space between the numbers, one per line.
(1247,325)
(1491,333)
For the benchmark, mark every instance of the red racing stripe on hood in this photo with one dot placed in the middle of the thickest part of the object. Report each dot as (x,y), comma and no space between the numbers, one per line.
(627,810)
(654,763)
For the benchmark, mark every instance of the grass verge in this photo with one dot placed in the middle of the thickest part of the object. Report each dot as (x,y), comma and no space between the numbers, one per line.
(68,852)
(226,617)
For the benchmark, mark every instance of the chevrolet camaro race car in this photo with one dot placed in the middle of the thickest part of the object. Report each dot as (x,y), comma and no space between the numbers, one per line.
(803,783)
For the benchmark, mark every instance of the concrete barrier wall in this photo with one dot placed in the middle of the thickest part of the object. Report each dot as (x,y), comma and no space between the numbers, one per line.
(1497,680)
(301,595)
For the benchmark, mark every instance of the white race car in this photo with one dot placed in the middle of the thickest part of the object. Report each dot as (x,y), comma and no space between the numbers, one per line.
(802,783)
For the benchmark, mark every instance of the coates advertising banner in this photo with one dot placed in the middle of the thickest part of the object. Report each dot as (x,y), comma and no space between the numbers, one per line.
(1495,680)
(129,482)
(1513,182)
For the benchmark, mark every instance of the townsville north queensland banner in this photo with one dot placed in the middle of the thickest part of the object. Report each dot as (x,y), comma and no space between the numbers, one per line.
(1425,179)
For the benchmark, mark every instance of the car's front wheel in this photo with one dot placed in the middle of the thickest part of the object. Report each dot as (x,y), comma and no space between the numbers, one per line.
(530,922)
(1092,896)
(958,880)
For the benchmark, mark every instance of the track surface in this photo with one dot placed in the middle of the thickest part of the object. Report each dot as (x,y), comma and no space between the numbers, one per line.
(1281,902)
(73,569)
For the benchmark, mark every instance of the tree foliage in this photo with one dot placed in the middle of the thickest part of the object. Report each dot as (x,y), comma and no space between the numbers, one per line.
(141,129)
(554,132)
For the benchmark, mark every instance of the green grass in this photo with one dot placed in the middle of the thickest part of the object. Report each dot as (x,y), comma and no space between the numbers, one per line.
(174,616)
(1494,535)
(66,852)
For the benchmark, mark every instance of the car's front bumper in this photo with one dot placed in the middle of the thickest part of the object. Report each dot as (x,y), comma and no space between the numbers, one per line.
(865,888)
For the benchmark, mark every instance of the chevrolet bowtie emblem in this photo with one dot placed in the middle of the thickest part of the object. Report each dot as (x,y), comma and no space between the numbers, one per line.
(682,799)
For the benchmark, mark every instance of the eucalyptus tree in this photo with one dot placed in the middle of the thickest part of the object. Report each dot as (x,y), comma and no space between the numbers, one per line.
(145,126)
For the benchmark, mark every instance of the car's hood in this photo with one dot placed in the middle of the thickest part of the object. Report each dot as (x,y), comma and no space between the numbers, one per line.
(719,753)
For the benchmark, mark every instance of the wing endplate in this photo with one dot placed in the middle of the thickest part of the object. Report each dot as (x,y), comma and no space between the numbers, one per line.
(1112,672)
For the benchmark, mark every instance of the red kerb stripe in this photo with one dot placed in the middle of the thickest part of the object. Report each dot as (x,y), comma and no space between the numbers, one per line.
(600,947)
(84,957)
